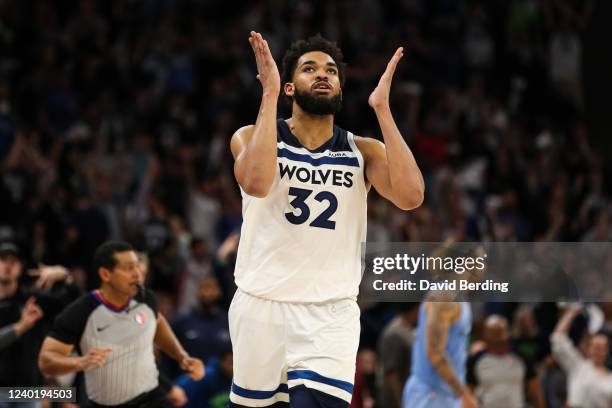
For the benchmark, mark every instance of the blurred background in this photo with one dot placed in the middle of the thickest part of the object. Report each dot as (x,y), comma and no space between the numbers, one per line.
(116,116)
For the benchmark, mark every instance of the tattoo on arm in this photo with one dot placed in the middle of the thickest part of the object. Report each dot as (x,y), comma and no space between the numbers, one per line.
(439,319)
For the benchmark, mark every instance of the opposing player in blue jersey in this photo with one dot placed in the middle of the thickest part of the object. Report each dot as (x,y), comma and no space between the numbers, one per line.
(439,354)
(294,321)
(439,357)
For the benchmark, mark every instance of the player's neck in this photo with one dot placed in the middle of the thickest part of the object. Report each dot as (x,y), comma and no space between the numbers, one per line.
(311,130)
(114,297)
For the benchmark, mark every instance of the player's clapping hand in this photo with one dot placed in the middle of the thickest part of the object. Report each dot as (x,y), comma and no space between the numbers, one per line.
(193,367)
(379,98)
(95,358)
(267,71)
(30,314)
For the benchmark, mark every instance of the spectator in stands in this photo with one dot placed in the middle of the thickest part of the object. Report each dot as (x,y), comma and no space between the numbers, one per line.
(394,351)
(204,330)
(26,314)
(554,384)
(526,339)
(364,390)
(500,376)
(589,382)
(199,265)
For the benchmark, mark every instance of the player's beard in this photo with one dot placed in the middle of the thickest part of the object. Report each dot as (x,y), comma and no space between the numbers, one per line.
(318,104)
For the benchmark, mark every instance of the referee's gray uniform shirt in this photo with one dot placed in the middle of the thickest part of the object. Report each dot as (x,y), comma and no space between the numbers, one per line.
(130,368)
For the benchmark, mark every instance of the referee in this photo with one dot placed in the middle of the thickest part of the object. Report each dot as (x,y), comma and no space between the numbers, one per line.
(114,330)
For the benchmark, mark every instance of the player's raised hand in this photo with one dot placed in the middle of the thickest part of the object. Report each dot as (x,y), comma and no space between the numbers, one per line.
(95,358)
(193,367)
(379,98)
(267,71)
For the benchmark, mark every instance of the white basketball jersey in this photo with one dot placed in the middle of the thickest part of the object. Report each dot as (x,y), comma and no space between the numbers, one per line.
(302,242)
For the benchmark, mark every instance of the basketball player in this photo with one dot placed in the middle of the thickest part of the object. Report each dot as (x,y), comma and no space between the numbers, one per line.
(439,354)
(439,357)
(294,321)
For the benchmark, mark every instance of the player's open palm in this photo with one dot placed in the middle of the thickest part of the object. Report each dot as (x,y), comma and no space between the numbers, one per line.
(267,71)
(380,96)
(95,358)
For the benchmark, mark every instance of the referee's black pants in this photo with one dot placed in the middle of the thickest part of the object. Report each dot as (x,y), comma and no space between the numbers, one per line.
(155,398)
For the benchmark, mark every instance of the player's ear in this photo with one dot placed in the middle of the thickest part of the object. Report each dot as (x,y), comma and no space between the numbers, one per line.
(289,88)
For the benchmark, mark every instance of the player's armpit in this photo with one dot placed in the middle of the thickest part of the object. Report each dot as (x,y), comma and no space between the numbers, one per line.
(378,174)
(440,316)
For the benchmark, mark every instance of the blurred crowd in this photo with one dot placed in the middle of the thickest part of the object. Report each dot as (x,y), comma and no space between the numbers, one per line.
(115,120)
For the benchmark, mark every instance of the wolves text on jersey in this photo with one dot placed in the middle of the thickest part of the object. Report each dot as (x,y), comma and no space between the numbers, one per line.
(338,178)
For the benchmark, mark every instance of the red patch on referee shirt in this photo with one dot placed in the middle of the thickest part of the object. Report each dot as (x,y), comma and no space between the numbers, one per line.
(140,318)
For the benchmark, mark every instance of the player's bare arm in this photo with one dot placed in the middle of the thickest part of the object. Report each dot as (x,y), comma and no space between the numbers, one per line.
(440,316)
(391,167)
(254,147)
(55,359)
(167,342)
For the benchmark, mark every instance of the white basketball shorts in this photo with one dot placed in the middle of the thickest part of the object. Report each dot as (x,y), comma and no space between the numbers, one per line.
(278,346)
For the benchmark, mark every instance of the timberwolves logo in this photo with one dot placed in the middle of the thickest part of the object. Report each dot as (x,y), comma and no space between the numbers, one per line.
(140,318)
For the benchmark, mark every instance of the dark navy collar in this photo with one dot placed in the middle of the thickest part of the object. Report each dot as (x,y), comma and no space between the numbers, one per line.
(285,135)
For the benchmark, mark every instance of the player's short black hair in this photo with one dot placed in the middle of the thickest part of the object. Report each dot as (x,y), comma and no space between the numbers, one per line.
(314,43)
(104,257)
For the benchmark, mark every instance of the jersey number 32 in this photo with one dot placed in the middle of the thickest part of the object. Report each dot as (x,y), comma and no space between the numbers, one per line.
(303,212)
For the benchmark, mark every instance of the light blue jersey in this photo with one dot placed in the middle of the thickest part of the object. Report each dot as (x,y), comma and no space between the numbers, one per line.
(425,388)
